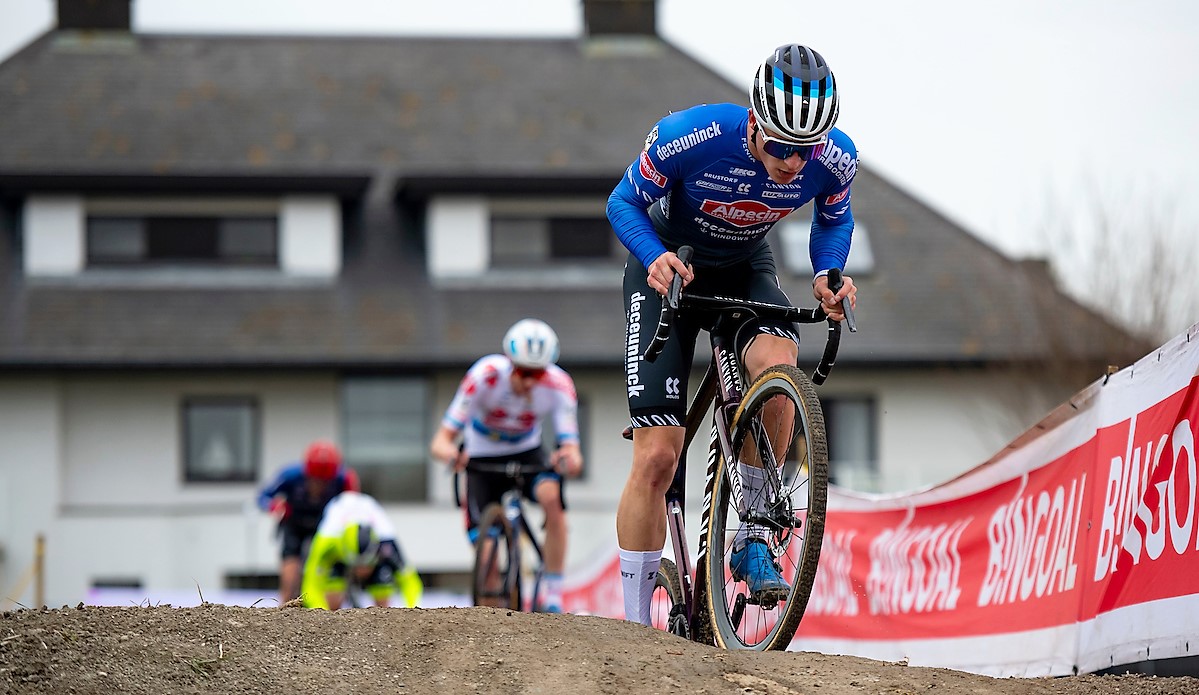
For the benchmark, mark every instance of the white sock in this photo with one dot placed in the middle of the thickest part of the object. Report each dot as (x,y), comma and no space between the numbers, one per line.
(753,494)
(638,571)
(551,591)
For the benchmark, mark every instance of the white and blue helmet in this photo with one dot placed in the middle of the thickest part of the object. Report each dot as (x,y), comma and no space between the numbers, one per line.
(795,95)
(532,344)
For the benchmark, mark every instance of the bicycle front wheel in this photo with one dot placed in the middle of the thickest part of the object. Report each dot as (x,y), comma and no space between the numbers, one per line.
(496,580)
(769,511)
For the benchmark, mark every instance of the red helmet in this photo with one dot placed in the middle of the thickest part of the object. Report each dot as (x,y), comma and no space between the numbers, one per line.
(322,460)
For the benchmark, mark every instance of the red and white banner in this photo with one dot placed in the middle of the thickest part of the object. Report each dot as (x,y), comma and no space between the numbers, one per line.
(1074,549)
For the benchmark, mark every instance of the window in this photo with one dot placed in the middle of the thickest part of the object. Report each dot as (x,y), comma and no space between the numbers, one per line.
(385,437)
(220,439)
(522,241)
(582,238)
(793,237)
(852,442)
(162,239)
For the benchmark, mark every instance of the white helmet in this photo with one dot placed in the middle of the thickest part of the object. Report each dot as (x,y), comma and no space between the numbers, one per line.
(531,343)
(795,95)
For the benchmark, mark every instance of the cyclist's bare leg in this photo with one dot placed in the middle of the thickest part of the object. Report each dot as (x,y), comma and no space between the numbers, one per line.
(764,352)
(290,569)
(493,580)
(549,495)
(641,515)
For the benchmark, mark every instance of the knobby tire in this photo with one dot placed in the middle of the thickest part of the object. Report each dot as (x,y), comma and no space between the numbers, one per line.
(503,554)
(802,496)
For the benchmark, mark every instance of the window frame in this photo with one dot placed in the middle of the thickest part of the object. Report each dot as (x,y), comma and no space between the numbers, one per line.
(420,462)
(873,468)
(254,445)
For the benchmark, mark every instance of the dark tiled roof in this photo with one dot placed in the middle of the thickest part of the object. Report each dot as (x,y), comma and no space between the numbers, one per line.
(373,117)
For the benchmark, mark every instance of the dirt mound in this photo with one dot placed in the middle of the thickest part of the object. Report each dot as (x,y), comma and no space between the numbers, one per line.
(222,649)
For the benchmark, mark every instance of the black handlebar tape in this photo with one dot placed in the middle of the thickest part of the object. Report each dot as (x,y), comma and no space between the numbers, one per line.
(835,283)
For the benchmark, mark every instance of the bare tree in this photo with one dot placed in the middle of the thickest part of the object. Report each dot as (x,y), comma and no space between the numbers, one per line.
(1130,257)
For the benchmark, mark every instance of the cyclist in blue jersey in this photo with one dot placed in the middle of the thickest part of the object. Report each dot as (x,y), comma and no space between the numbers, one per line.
(297,497)
(717,177)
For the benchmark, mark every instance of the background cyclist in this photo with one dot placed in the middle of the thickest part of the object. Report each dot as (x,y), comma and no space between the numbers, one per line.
(297,496)
(356,543)
(718,177)
(498,410)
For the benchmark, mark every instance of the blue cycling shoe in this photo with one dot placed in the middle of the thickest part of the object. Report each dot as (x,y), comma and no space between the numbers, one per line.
(754,565)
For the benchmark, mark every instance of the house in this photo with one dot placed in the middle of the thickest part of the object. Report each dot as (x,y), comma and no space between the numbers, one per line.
(215,249)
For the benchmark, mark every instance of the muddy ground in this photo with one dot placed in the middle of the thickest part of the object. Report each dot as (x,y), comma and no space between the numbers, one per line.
(222,649)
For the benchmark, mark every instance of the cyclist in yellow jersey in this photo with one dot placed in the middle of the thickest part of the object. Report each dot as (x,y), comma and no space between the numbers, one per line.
(357,541)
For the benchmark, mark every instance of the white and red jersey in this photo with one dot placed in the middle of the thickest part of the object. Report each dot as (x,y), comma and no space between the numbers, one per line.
(495,421)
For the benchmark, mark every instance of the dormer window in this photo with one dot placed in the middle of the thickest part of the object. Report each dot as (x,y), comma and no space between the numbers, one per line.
(508,241)
(534,241)
(177,240)
(191,237)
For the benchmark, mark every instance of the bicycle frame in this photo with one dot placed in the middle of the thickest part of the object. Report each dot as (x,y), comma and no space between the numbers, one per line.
(512,503)
(723,377)
(721,384)
(514,511)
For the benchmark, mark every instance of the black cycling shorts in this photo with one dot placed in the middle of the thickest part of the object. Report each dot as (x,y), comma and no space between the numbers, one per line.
(657,391)
(295,540)
(484,488)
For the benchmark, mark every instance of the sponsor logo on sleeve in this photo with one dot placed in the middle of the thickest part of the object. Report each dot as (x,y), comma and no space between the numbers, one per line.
(650,139)
(837,197)
(842,164)
(646,167)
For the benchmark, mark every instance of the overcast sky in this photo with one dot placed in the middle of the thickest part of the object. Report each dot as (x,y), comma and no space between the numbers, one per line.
(991,112)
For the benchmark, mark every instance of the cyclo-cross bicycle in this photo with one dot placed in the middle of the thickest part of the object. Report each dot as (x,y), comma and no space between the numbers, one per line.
(775,424)
(504,573)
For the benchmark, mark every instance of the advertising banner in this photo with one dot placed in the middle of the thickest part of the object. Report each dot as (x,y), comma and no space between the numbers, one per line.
(1074,549)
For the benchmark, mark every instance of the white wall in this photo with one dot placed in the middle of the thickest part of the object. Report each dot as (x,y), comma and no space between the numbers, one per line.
(30,423)
(53,235)
(457,236)
(934,425)
(310,236)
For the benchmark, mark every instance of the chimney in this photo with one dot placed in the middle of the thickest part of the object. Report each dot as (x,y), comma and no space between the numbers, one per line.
(106,15)
(619,18)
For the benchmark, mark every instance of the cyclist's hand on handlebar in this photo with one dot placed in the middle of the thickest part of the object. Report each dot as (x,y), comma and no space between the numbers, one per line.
(831,303)
(663,269)
(446,450)
(568,460)
(279,508)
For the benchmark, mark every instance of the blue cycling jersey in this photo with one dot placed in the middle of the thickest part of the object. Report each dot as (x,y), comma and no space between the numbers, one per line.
(305,508)
(696,183)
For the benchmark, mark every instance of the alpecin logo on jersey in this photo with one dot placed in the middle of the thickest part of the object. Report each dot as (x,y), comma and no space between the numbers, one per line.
(646,167)
(744,213)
